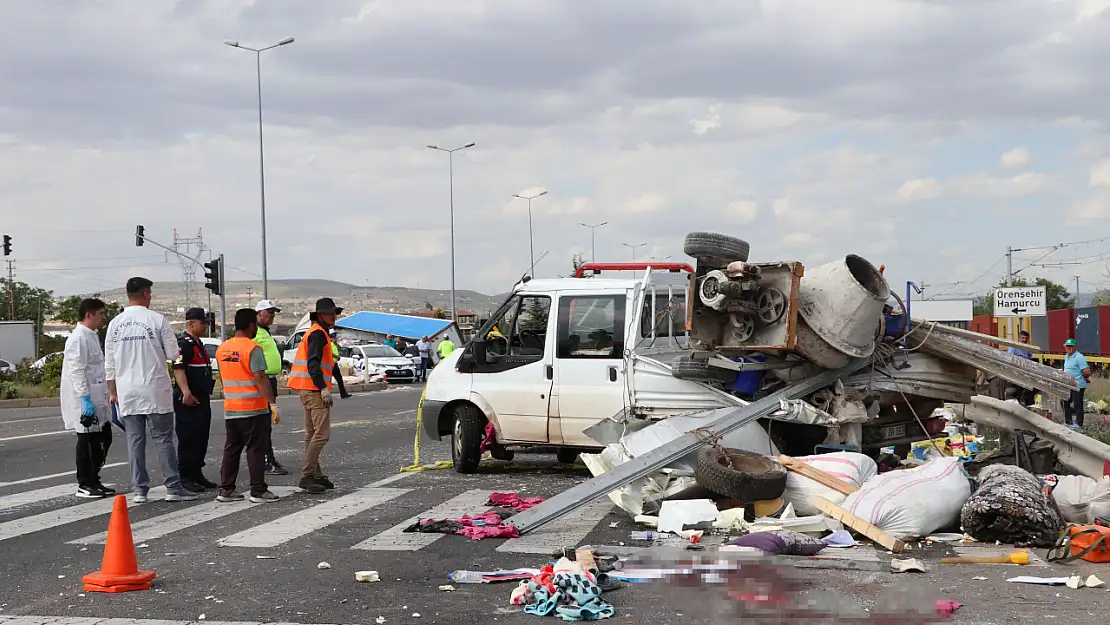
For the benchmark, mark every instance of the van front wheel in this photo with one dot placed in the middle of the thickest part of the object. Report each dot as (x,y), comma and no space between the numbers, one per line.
(466,439)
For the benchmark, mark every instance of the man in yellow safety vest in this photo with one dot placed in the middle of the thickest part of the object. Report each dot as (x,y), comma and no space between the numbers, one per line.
(267,310)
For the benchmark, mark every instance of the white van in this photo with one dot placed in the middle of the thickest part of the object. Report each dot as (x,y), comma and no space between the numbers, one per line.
(555,359)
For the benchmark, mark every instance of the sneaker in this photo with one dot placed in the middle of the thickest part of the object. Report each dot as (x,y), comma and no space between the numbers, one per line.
(139,497)
(192,487)
(107,490)
(276,469)
(228,494)
(323,480)
(266,497)
(89,492)
(181,496)
(310,485)
(205,482)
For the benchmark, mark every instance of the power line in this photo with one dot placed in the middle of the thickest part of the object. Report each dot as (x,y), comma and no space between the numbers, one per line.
(974,280)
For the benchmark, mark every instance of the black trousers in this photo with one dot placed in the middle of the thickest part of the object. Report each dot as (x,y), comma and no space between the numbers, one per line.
(271,459)
(1073,409)
(338,375)
(251,433)
(92,452)
(193,424)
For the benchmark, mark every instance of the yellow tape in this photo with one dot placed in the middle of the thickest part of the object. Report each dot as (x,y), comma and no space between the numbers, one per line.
(416,466)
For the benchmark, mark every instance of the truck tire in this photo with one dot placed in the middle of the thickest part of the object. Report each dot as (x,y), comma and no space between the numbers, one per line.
(752,477)
(466,438)
(565,455)
(717,249)
(685,368)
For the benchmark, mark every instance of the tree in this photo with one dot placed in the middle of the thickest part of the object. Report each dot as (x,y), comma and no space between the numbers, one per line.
(1101,298)
(68,308)
(438,313)
(30,303)
(1057,296)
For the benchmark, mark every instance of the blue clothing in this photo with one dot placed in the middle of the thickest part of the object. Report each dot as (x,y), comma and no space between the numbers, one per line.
(1074,364)
(1020,353)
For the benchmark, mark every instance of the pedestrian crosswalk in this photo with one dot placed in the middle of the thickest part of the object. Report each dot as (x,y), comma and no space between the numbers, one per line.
(372,517)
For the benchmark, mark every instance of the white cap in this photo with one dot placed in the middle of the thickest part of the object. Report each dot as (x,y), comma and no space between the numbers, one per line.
(267,305)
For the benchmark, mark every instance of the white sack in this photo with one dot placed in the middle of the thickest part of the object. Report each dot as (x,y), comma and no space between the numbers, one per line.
(1082,499)
(912,503)
(849,466)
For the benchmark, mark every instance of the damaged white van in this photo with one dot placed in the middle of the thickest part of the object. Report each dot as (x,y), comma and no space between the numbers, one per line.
(555,360)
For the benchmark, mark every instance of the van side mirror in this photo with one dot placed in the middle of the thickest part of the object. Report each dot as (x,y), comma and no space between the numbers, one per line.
(477,351)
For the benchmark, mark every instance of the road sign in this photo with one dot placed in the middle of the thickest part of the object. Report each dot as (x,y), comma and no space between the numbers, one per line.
(1020,301)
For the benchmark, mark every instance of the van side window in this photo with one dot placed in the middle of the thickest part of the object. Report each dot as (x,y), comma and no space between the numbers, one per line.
(670,315)
(591,326)
(521,330)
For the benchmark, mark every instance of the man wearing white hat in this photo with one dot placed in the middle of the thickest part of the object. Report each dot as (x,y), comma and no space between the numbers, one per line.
(266,310)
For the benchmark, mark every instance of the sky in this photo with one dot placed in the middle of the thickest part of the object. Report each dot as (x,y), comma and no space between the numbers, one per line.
(924,135)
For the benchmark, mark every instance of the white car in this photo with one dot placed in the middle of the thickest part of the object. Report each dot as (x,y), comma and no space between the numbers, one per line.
(560,356)
(6,367)
(41,362)
(385,360)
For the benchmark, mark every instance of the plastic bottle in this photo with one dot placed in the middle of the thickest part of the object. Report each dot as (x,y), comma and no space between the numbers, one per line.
(644,535)
(467,577)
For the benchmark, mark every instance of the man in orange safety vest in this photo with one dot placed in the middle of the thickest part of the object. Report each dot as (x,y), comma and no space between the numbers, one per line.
(311,377)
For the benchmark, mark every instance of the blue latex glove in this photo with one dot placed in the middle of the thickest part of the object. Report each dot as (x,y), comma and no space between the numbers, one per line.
(87,407)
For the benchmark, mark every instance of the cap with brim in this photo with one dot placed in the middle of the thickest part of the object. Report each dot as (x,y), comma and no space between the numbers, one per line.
(1069,343)
(266,305)
(195,314)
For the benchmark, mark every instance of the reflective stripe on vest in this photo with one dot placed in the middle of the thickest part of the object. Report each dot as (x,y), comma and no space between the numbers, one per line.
(299,378)
(242,397)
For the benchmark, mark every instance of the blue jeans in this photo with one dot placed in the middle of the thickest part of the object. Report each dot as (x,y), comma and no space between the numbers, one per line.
(424,362)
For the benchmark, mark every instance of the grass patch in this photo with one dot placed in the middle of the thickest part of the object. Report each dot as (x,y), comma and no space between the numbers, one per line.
(34,391)
(1099,388)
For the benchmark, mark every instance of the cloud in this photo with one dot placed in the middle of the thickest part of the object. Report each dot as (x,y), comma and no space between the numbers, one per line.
(1016,158)
(807,128)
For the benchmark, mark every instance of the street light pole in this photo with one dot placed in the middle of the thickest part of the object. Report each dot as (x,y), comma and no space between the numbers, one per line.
(633,248)
(593,253)
(451,182)
(531,249)
(261,152)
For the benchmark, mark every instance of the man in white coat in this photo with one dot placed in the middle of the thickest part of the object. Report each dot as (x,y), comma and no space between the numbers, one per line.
(137,353)
(84,399)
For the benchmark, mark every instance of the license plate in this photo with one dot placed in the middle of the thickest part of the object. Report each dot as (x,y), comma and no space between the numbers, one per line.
(893,431)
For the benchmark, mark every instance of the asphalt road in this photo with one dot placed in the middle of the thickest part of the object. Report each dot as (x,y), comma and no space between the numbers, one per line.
(234,562)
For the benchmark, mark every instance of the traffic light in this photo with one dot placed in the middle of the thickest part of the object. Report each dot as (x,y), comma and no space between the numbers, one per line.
(211,323)
(139,236)
(212,272)
(7,245)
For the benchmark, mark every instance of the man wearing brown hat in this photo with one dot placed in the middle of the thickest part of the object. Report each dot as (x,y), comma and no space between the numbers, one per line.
(311,376)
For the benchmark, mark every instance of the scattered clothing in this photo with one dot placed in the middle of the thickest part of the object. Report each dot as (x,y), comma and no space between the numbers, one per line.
(487,439)
(513,500)
(1010,506)
(780,542)
(486,525)
(839,538)
(564,589)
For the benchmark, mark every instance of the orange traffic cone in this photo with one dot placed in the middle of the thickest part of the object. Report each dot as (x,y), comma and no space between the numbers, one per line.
(120,570)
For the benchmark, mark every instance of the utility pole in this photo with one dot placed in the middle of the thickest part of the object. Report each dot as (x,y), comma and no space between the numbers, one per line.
(11,284)
(182,248)
(141,239)
(249,298)
(1009,266)
(1076,305)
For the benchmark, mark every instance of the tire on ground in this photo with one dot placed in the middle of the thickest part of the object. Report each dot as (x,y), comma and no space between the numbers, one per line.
(566,455)
(685,368)
(752,477)
(466,438)
(717,249)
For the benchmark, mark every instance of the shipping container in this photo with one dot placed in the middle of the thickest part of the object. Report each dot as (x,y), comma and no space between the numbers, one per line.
(983,324)
(1039,333)
(1010,327)
(1061,327)
(1103,331)
(1086,330)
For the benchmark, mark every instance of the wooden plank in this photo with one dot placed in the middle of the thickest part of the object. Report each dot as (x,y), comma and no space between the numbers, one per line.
(834,511)
(817,475)
(975,336)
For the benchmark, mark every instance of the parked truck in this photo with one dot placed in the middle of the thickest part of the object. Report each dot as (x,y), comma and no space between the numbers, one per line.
(17,342)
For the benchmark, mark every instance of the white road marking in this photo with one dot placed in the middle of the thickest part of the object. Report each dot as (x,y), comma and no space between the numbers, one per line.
(298,524)
(568,531)
(395,538)
(159,526)
(85,620)
(17,438)
(72,514)
(391,479)
(54,475)
(8,502)
(56,417)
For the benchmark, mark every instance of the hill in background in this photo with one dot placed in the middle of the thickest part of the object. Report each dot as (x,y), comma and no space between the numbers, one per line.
(296,297)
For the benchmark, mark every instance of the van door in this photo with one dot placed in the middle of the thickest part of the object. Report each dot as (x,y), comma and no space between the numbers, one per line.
(515,377)
(589,368)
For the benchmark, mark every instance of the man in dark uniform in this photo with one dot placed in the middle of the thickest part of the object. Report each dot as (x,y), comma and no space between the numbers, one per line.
(192,402)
